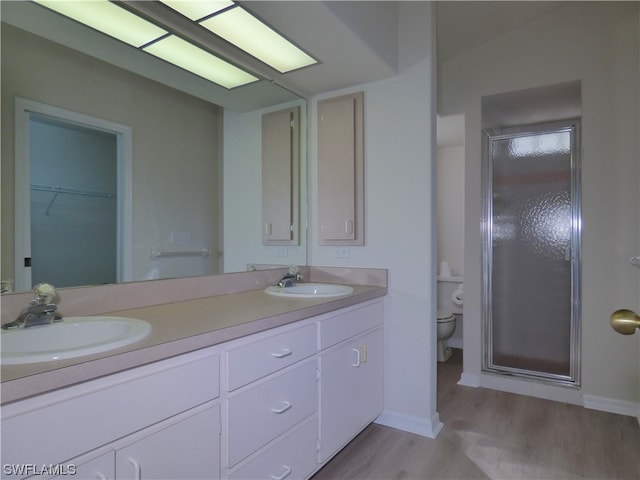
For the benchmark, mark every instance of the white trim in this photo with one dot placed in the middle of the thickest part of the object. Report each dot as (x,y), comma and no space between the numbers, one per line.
(469,380)
(22,239)
(22,200)
(531,388)
(612,405)
(429,428)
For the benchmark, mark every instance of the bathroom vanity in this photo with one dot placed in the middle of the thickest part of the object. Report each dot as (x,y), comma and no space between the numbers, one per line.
(271,395)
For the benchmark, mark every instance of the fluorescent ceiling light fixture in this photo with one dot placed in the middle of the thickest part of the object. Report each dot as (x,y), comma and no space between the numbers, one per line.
(239,27)
(197,9)
(108,18)
(186,55)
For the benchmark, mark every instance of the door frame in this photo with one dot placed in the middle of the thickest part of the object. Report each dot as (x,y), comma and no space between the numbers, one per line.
(24,108)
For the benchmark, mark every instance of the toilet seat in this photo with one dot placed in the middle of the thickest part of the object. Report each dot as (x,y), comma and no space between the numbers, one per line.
(444,317)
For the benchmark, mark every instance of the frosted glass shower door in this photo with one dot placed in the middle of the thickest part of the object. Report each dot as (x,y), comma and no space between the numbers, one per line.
(532,253)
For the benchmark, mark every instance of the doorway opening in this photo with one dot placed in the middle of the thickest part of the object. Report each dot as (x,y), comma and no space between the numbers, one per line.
(73,198)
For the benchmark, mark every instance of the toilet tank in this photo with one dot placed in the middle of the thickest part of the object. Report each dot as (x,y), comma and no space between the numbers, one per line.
(447,286)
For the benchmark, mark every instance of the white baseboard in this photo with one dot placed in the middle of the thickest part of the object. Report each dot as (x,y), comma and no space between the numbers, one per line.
(429,428)
(469,380)
(612,405)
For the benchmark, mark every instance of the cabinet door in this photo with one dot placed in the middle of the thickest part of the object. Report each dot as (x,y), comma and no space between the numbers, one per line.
(280,176)
(184,447)
(98,468)
(351,390)
(341,170)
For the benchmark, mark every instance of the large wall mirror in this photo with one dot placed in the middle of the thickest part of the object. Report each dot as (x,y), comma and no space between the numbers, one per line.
(190,193)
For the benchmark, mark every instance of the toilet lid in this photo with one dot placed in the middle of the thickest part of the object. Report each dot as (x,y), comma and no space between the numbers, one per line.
(444,316)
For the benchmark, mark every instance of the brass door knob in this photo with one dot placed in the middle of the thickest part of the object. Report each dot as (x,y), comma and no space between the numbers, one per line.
(625,321)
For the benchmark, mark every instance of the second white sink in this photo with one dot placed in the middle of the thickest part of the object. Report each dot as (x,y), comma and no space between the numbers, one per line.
(310,290)
(73,337)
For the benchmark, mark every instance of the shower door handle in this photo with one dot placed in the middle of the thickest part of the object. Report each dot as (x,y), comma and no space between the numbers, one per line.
(625,322)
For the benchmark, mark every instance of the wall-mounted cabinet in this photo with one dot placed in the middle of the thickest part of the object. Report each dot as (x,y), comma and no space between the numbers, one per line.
(341,170)
(281,177)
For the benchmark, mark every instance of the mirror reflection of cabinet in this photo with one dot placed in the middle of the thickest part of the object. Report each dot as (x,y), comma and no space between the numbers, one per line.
(280,177)
(341,170)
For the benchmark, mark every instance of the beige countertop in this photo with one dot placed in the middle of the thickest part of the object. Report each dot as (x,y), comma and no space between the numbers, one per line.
(177,328)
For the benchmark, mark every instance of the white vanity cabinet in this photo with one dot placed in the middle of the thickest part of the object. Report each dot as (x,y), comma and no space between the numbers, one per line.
(147,411)
(271,404)
(351,378)
(183,447)
(97,465)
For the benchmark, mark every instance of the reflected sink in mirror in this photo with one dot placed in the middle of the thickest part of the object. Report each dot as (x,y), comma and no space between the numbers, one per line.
(310,290)
(73,337)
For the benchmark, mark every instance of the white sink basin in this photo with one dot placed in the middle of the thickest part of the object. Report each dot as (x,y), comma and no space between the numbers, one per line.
(73,337)
(310,290)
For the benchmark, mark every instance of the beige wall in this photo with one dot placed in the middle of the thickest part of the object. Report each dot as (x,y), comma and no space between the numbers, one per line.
(176,144)
(596,43)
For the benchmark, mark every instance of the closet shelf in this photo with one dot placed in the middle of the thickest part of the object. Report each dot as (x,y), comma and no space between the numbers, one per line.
(72,191)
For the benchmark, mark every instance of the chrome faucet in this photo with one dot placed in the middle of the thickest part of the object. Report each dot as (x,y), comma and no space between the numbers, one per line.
(290,278)
(40,311)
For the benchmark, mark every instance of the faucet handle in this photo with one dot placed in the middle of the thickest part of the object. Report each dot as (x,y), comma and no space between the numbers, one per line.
(43,293)
(294,271)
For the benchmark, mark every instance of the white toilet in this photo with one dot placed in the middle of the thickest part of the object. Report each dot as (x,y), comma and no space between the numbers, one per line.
(449,305)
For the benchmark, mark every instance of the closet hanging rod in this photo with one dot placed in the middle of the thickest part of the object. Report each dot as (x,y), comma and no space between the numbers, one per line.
(72,191)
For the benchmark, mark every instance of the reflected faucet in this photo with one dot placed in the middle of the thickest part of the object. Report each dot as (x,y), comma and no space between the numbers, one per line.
(40,311)
(290,278)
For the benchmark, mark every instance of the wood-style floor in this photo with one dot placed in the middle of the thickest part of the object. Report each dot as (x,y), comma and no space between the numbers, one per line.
(497,435)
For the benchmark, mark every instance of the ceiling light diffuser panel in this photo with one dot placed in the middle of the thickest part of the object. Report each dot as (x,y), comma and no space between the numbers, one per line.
(204,64)
(245,31)
(197,10)
(108,18)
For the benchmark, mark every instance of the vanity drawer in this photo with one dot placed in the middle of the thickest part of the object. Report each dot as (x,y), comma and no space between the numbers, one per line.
(265,411)
(292,457)
(258,359)
(334,329)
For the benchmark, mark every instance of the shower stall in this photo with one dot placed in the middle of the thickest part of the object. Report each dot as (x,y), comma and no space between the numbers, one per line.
(531,254)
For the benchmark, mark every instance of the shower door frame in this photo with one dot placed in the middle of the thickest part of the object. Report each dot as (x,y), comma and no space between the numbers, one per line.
(489,135)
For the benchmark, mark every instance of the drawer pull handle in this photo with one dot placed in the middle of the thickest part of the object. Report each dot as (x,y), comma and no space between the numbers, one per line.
(358,357)
(101,476)
(285,474)
(284,408)
(136,468)
(284,353)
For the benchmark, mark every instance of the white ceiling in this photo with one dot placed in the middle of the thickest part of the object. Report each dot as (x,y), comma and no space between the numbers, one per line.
(356,42)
